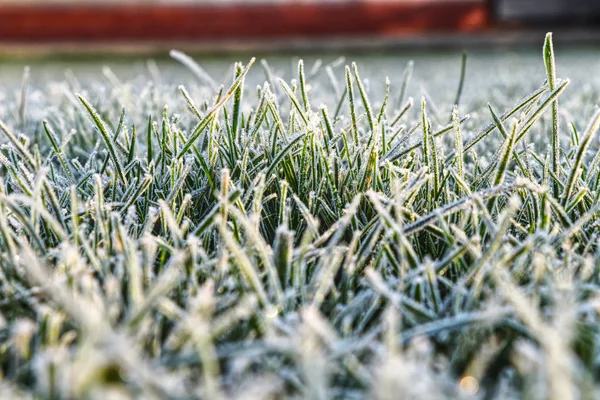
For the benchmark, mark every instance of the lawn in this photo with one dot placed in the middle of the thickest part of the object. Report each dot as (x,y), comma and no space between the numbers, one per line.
(175,230)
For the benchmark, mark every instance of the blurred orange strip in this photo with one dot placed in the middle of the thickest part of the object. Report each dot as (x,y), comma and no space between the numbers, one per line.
(45,23)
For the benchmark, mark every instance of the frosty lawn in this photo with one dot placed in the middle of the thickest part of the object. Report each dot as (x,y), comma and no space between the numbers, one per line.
(299,240)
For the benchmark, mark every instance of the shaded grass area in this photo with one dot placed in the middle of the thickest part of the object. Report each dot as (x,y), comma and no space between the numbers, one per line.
(319,237)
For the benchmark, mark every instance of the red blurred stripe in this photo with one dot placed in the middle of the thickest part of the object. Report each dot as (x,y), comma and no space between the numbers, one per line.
(238,21)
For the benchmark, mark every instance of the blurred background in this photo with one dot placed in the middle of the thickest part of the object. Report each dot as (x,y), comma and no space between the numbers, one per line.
(226,25)
(87,38)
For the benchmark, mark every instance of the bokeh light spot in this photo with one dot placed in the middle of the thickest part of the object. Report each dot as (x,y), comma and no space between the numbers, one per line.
(469,385)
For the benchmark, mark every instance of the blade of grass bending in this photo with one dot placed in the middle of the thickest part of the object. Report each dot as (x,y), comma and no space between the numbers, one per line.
(119,128)
(190,102)
(585,142)
(20,178)
(194,67)
(522,131)
(213,112)
(559,210)
(23,152)
(28,227)
(550,65)
(58,150)
(522,104)
(56,225)
(461,183)
(294,100)
(576,199)
(51,193)
(541,109)
(179,183)
(455,323)
(107,140)
(430,218)
(576,226)
(407,106)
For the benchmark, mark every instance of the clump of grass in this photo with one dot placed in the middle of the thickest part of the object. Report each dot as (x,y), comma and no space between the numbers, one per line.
(251,244)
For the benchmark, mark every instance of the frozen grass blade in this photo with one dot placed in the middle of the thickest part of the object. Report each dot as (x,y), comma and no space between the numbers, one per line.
(22,150)
(583,146)
(58,150)
(458,150)
(350,94)
(461,81)
(365,100)
(507,147)
(406,75)
(237,102)
(190,102)
(550,64)
(108,141)
(294,100)
(541,109)
(303,88)
(382,110)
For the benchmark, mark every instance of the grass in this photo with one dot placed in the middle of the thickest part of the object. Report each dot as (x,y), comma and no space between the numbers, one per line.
(252,243)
